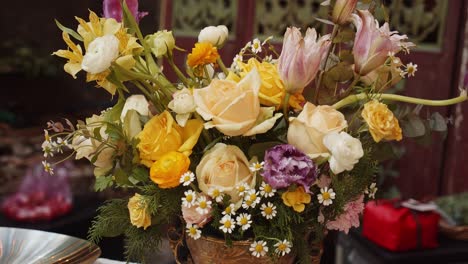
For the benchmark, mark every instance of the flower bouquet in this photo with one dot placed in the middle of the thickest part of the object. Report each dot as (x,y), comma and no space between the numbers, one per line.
(238,154)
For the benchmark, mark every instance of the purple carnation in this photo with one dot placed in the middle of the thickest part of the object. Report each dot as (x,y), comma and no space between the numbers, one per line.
(286,165)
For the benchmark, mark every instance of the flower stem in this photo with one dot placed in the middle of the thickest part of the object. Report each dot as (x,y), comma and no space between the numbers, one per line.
(222,66)
(286,107)
(177,71)
(395,97)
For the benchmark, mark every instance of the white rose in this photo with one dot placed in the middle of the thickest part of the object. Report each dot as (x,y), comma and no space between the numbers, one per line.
(183,105)
(161,42)
(214,35)
(135,102)
(100,54)
(345,151)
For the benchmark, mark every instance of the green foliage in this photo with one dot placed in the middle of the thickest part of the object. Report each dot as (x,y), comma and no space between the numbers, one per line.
(139,242)
(112,220)
(102,183)
(164,204)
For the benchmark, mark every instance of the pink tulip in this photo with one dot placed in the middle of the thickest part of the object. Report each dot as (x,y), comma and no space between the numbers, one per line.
(342,11)
(300,58)
(112,9)
(373,44)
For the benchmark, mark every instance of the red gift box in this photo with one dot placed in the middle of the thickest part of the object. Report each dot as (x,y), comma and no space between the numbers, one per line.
(398,228)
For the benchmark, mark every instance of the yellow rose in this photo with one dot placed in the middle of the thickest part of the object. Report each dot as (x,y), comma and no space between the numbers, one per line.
(272,90)
(162,134)
(296,199)
(234,108)
(138,209)
(381,121)
(307,130)
(224,167)
(168,169)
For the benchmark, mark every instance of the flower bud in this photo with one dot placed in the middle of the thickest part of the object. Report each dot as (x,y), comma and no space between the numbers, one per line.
(214,35)
(100,54)
(161,42)
(342,11)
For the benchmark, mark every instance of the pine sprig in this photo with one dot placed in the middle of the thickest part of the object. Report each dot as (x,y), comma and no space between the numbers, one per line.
(113,219)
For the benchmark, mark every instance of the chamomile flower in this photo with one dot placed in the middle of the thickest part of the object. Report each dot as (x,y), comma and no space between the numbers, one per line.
(256,46)
(244,221)
(227,224)
(46,135)
(189,199)
(268,210)
(251,199)
(283,247)
(411,69)
(216,194)
(259,248)
(229,210)
(372,190)
(193,231)
(187,178)
(47,167)
(266,190)
(242,189)
(203,205)
(47,148)
(256,166)
(326,196)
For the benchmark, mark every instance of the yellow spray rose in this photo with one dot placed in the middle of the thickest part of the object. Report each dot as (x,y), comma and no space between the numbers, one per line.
(381,121)
(167,170)
(162,134)
(272,90)
(138,209)
(296,199)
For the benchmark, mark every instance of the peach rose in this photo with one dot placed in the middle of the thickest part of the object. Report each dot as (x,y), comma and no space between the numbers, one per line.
(234,108)
(162,134)
(191,216)
(224,167)
(307,130)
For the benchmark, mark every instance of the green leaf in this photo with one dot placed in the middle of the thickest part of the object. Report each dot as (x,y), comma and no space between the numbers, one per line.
(97,133)
(113,115)
(121,177)
(438,122)
(70,32)
(131,124)
(102,183)
(140,174)
(413,126)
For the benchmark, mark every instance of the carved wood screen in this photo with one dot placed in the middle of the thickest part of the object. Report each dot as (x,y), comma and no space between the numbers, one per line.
(435,25)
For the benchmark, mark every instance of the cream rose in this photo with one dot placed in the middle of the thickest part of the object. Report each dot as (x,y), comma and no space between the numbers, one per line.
(183,105)
(161,42)
(101,52)
(307,130)
(214,35)
(135,102)
(224,167)
(234,108)
(345,151)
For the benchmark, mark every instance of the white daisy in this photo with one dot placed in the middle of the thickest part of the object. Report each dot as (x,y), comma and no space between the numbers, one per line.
(227,224)
(251,199)
(203,205)
(193,231)
(243,220)
(47,148)
(256,46)
(47,167)
(266,190)
(216,194)
(256,166)
(326,196)
(259,248)
(268,210)
(187,178)
(242,189)
(283,247)
(411,69)
(372,190)
(230,210)
(189,199)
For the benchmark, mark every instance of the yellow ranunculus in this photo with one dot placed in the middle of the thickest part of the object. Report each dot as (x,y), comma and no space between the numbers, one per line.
(162,134)
(167,170)
(381,121)
(138,209)
(296,199)
(272,90)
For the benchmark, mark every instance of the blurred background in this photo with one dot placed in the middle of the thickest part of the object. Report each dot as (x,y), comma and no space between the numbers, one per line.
(35,89)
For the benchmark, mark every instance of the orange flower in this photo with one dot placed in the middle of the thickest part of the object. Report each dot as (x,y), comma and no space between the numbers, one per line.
(203,53)
(166,171)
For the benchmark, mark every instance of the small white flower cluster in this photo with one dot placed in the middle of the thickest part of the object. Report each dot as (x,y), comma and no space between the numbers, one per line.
(259,248)
(50,147)
(255,47)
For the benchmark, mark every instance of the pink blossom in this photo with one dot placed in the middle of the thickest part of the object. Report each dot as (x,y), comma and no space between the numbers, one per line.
(300,58)
(350,218)
(112,9)
(191,216)
(323,181)
(372,43)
